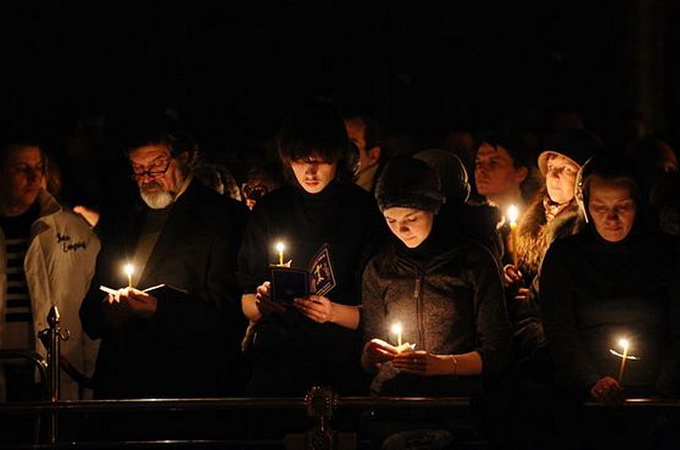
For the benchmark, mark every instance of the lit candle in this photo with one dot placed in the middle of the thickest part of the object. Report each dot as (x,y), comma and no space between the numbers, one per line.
(624,344)
(129,269)
(280,248)
(396,329)
(513,213)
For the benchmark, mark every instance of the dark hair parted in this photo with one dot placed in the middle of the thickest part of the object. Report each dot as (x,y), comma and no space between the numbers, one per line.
(514,144)
(317,130)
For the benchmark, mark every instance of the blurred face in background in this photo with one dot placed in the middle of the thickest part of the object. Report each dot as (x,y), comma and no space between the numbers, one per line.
(611,207)
(356,130)
(159,176)
(22,174)
(495,171)
(666,161)
(313,173)
(411,226)
(560,178)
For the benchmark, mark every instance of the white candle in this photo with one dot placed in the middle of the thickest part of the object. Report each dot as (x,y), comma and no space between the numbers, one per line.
(513,214)
(280,248)
(129,269)
(397,329)
(624,344)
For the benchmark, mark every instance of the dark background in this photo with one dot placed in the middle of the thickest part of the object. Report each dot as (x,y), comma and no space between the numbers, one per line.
(232,70)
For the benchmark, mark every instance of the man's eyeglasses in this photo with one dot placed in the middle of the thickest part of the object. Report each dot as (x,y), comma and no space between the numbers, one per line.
(155,170)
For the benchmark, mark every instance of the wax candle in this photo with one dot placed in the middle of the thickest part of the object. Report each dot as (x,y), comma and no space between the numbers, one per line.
(280,247)
(397,329)
(512,215)
(624,345)
(129,269)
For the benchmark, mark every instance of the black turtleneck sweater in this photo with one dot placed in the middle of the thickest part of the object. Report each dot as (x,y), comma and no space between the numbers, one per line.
(594,293)
(345,217)
(448,295)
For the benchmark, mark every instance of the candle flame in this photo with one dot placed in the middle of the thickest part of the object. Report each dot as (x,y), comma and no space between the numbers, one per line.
(129,269)
(513,214)
(396,328)
(280,247)
(624,343)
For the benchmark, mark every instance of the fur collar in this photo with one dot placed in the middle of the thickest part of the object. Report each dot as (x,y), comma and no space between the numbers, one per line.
(535,233)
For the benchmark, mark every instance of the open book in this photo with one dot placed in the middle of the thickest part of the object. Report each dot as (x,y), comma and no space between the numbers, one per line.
(289,283)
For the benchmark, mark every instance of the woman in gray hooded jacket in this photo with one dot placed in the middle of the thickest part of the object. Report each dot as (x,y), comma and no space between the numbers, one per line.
(443,289)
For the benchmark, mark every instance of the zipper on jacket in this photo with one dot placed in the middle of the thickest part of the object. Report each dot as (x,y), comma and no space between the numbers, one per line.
(417,296)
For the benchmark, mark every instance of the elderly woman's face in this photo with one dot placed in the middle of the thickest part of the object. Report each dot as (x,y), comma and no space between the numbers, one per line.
(612,208)
(411,226)
(560,178)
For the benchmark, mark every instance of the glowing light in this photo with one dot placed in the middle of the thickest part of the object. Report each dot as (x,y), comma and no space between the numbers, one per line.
(624,344)
(280,247)
(129,269)
(513,214)
(397,329)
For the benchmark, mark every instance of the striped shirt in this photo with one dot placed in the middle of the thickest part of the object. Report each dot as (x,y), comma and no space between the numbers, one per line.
(18,332)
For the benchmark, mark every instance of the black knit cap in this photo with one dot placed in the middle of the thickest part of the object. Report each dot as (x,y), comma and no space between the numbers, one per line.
(409,183)
(453,177)
(578,145)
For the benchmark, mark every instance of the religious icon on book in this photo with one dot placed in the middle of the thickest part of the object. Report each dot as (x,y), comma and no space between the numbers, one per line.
(289,283)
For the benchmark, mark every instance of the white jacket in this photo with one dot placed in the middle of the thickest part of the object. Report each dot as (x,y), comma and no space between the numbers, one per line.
(59,266)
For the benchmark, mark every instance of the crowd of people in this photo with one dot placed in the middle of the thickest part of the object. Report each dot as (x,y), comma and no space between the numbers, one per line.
(417,280)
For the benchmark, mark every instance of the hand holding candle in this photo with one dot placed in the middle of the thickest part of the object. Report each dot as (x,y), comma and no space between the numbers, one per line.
(376,352)
(401,346)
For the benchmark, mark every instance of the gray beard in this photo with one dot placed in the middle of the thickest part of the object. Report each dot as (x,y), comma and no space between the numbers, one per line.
(159,200)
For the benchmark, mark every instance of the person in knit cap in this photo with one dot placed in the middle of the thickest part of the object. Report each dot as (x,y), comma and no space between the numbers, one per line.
(442,290)
(479,222)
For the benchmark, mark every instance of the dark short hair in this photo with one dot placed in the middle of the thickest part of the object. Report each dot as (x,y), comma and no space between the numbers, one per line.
(373,131)
(10,143)
(514,144)
(158,129)
(316,129)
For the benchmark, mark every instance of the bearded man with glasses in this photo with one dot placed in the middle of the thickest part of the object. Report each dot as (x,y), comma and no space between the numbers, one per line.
(166,342)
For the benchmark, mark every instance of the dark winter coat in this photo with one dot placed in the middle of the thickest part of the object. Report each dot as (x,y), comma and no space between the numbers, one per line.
(594,292)
(190,346)
(304,352)
(448,296)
